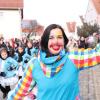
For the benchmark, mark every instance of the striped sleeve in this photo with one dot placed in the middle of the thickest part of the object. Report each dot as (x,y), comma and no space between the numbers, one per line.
(25,85)
(85,58)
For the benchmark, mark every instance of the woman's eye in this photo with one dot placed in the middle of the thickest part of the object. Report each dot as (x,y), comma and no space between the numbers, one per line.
(50,37)
(59,37)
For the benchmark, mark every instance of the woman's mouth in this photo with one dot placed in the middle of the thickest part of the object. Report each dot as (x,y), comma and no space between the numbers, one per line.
(55,47)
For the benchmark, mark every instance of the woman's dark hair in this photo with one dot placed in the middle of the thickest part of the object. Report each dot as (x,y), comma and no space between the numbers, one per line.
(45,36)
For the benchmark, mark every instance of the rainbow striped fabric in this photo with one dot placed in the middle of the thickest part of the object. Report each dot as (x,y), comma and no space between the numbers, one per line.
(24,86)
(85,58)
(50,72)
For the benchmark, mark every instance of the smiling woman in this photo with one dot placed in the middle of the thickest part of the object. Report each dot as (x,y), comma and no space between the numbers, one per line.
(55,71)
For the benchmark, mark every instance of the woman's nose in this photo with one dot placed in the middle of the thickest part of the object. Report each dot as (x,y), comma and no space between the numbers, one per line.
(56,39)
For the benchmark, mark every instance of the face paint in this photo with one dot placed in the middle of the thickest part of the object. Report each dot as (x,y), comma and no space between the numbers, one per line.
(56,41)
(57,34)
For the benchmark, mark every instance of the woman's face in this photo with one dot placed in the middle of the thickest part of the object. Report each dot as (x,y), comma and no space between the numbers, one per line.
(56,41)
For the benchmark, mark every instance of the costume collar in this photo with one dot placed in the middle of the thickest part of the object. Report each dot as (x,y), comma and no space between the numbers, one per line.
(52,65)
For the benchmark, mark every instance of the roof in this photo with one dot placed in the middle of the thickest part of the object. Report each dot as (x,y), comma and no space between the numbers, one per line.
(71,26)
(28,24)
(11,4)
(32,25)
(97,5)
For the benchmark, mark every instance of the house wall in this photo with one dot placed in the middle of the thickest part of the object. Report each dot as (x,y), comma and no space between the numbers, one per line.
(10,23)
(98,19)
(92,16)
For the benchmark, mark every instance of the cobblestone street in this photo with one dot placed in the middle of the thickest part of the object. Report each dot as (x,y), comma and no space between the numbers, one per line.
(90,83)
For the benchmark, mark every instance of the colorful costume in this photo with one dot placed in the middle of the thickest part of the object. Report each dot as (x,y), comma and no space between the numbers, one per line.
(8,72)
(56,77)
(22,59)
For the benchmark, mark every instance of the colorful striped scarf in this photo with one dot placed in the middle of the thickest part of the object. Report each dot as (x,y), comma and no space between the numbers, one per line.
(52,65)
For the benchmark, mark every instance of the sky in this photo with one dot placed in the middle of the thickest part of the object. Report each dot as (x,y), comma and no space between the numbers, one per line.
(54,11)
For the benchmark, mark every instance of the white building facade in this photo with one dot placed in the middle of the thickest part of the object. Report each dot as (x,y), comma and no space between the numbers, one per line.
(10,23)
(93,12)
(11,14)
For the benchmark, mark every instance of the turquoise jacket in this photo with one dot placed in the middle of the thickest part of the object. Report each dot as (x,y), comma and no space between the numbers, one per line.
(34,51)
(10,67)
(62,86)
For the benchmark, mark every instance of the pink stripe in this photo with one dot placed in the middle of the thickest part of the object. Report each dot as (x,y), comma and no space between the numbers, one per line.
(77,98)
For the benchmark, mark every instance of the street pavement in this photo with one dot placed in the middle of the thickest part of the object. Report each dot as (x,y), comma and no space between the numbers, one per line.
(89,80)
(90,83)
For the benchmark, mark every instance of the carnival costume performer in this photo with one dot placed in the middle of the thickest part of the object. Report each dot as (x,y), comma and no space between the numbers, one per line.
(55,72)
